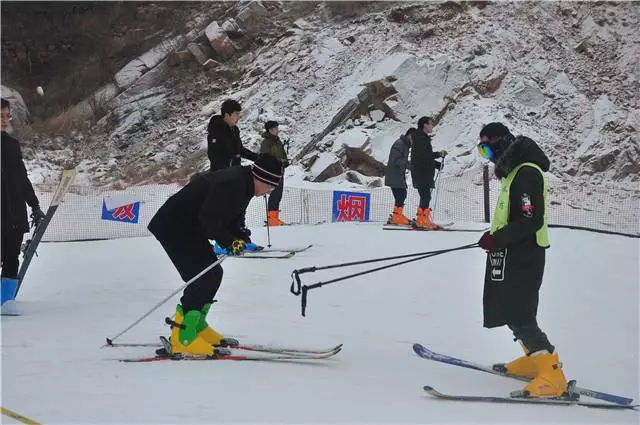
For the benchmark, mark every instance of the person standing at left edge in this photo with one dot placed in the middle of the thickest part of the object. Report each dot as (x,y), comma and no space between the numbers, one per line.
(209,207)
(516,247)
(17,191)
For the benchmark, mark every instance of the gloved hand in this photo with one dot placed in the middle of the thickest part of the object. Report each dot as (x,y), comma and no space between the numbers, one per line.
(285,163)
(237,247)
(488,242)
(244,234)
(36,216)
(444,153)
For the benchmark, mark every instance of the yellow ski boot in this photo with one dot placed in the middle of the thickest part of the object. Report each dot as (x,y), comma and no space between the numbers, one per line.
(207,332)
(549,380)
(186,338)
(522,366)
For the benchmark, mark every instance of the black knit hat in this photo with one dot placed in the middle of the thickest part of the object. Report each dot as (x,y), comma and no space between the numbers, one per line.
(494,129)
(267,169)
(270,124)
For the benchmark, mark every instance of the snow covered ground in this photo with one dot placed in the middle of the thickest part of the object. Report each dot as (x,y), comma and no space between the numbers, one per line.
(76,294)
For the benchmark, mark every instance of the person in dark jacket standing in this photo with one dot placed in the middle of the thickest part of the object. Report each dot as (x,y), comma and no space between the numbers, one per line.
(423,165)
(516,247)
(209,207)
(17,192)
(224,145)
(394,176)
(272,144)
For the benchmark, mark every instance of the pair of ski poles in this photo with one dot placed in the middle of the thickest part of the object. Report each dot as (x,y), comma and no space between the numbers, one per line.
(297,288)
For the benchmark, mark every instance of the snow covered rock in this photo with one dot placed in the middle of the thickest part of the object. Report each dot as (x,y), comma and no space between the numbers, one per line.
(219,40)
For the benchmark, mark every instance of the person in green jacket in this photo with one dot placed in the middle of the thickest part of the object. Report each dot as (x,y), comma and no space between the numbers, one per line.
(516,248)
(272,144)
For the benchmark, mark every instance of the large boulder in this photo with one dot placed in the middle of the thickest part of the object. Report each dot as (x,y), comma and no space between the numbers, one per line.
(360,161)
(129,73)
(219,40)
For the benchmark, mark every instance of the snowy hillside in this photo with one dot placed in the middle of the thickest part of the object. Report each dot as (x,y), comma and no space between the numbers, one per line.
(563,73)
(76,294)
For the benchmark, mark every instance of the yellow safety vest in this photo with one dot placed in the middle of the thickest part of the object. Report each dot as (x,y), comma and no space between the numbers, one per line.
(501,216)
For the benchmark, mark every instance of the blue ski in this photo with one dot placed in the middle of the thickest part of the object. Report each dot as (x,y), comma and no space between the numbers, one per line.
(425,353)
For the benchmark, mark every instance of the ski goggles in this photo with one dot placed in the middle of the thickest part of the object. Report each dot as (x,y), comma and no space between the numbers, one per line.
(486,152)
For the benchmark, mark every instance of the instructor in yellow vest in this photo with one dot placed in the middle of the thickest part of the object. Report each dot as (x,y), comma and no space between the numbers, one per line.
(516,247)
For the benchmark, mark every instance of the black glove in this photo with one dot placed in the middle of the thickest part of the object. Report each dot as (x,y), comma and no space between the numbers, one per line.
(488,242)
(36,216)
(237,247)
(244,234)
(285,163)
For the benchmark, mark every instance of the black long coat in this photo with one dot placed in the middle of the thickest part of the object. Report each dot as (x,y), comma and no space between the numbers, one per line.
(17,190)
(224,146)
(423,163)
(514,273)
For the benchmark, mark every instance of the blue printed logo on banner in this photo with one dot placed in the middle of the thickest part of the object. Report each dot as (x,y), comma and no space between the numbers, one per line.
(124,213)
(351,206)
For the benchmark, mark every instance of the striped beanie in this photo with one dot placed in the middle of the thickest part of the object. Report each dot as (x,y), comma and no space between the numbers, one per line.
(267,169)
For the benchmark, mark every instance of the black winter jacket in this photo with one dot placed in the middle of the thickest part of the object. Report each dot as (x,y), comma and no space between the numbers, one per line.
(17,190)
(211,205)
(423,162)
(273,145)
(224,146)
(513,274)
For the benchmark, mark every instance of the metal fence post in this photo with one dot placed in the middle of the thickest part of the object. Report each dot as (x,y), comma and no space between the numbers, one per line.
(485,183)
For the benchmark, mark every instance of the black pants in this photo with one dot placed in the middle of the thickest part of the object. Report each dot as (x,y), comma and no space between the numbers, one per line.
(11,242)
(532,337)
(399,195)
(276,196)
(425,196)
(191,253)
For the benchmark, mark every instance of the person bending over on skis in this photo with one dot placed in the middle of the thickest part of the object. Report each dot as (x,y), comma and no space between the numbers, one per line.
(516,248)
(423,165)
(394,176)
(210,207)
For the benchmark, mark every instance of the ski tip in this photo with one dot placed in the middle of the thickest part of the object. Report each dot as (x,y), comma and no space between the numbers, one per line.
(428,388)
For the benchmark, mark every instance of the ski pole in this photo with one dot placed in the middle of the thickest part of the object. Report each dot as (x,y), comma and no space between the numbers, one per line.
(266,210)
(435,183)
(303,289)
(296,278)
(193,279)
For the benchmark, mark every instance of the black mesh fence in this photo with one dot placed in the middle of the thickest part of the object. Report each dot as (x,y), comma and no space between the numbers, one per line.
(83,214)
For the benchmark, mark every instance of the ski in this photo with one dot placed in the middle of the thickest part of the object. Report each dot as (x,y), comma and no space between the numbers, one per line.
(293,249)
(548,401)
(246,347)
(32,245)
(253,356)
(425,353)
(258,254)
(443,228)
